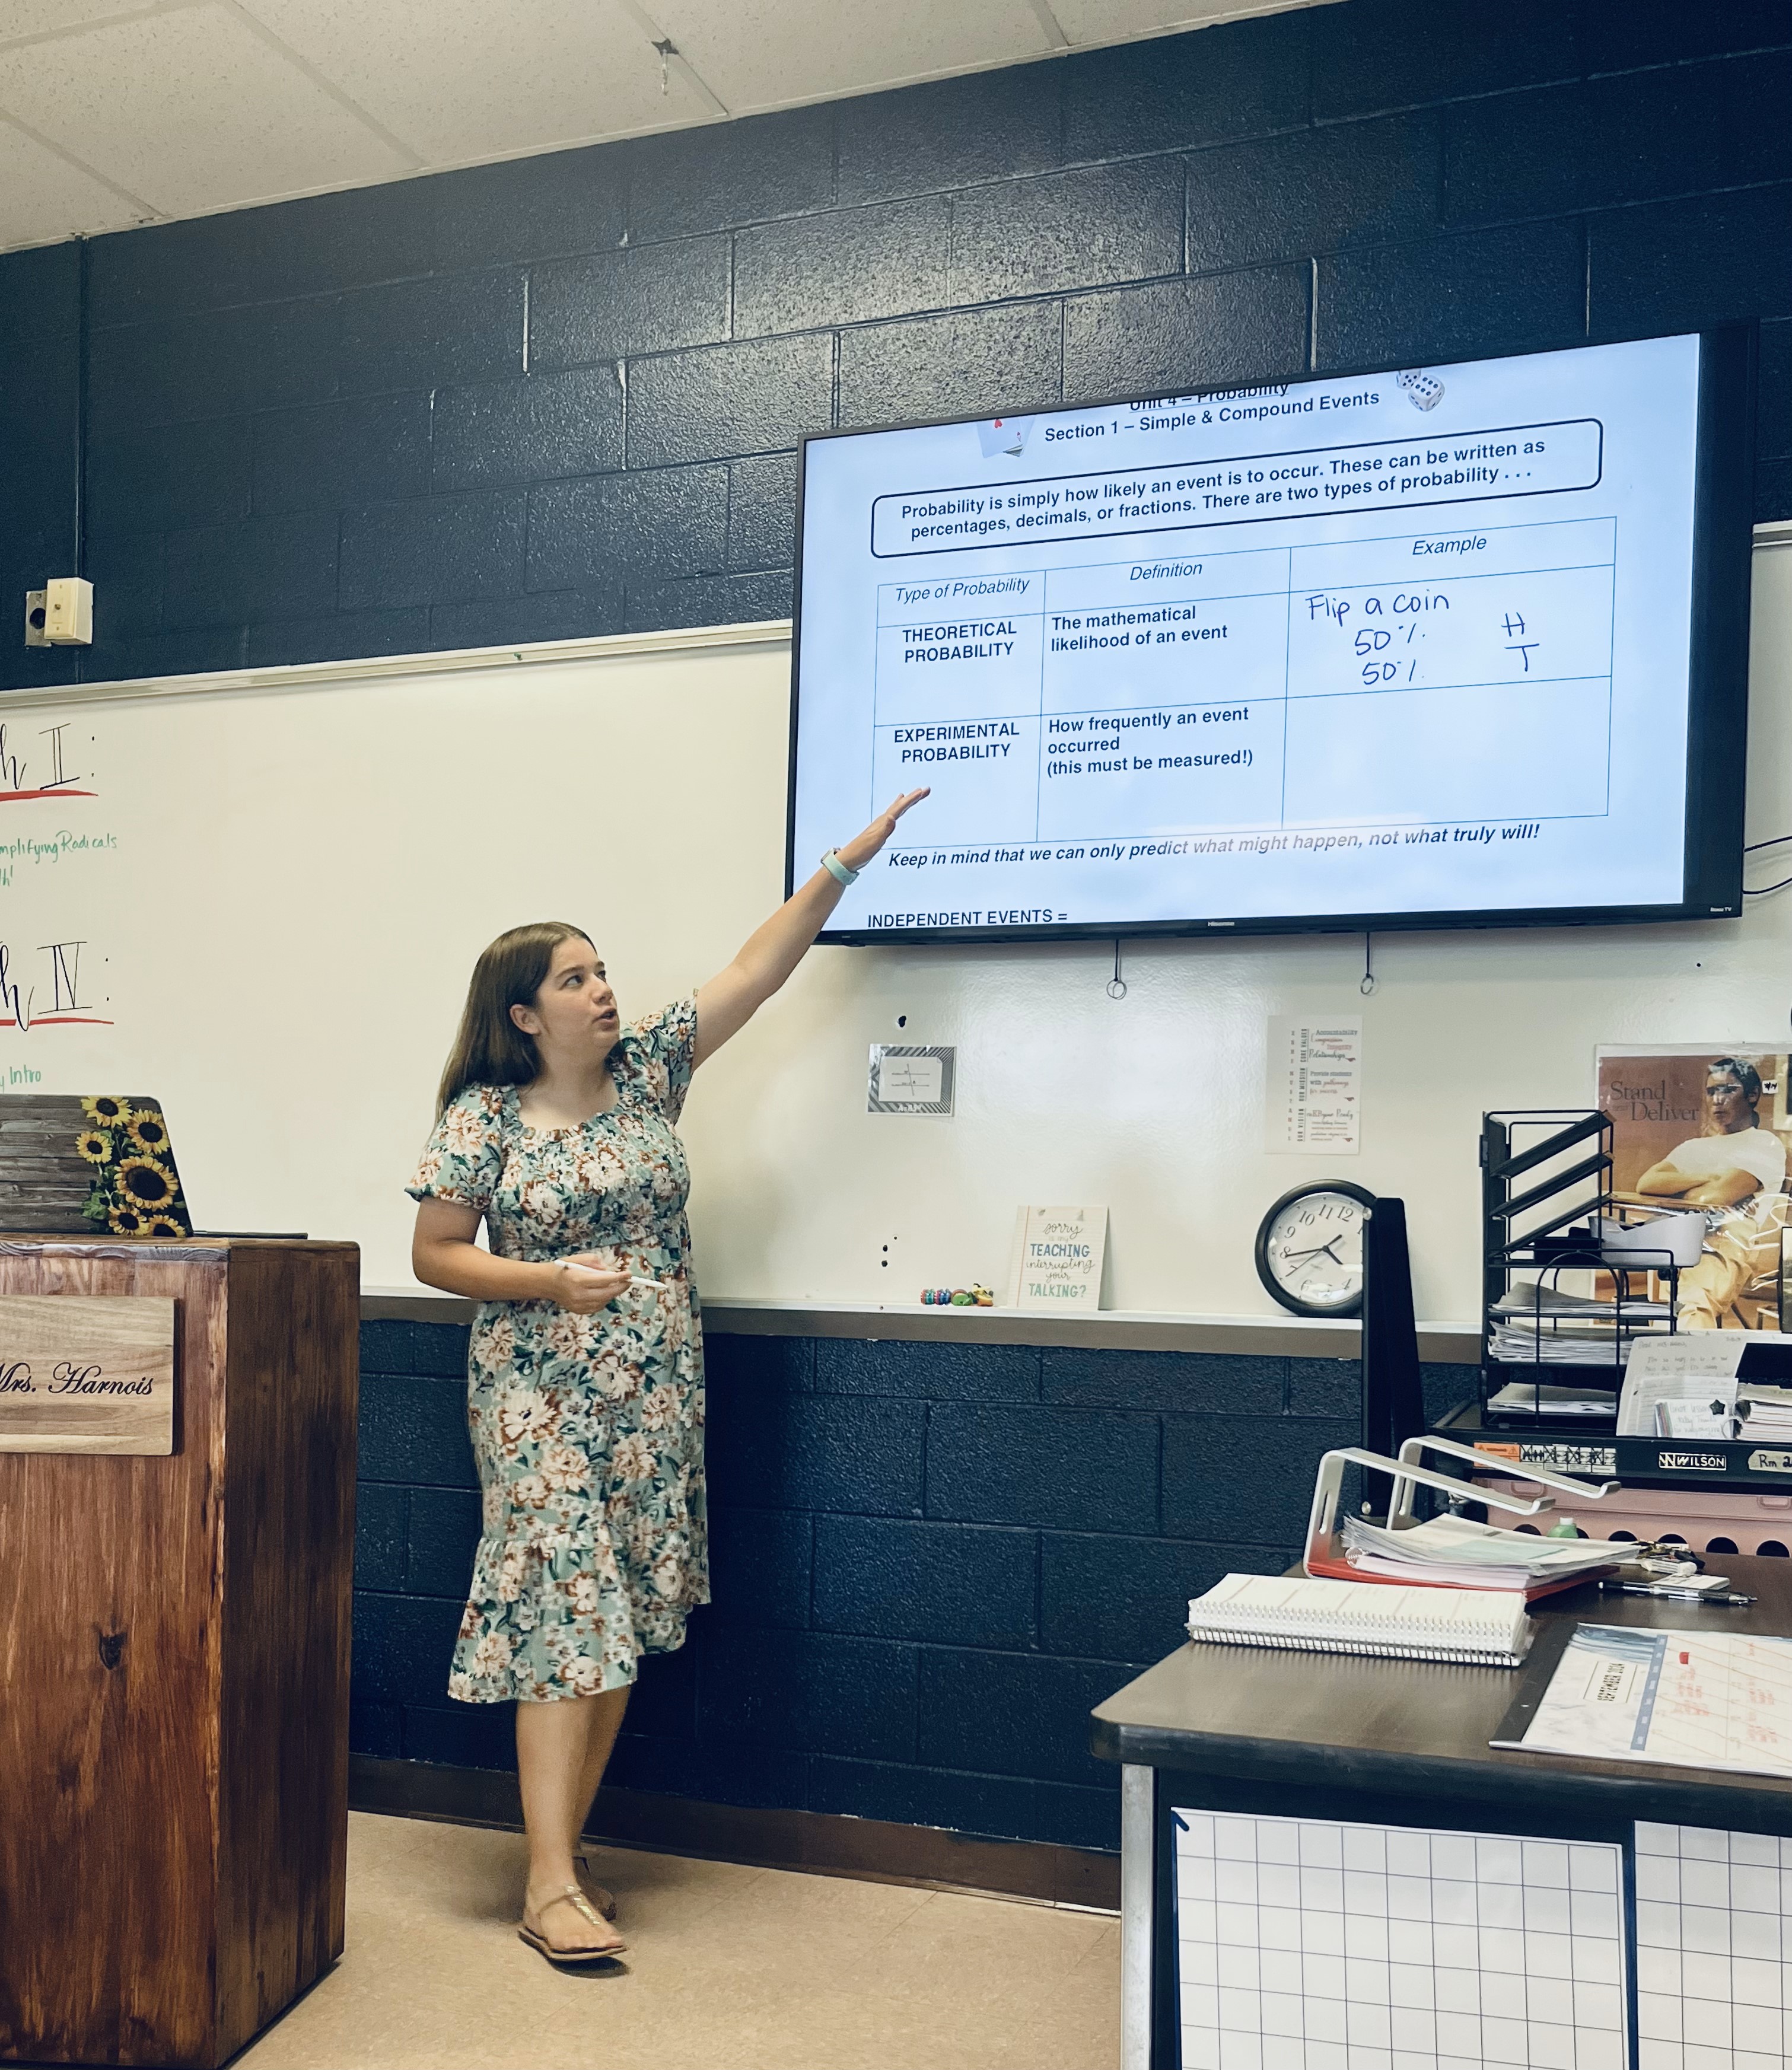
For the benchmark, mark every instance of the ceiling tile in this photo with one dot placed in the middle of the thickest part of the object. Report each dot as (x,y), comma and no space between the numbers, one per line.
(42,197)
(756,54)
(192,108)
(193,111)
(1090,22)
(482,79)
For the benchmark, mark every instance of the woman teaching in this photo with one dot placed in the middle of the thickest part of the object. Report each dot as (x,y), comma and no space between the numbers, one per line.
(585,1371)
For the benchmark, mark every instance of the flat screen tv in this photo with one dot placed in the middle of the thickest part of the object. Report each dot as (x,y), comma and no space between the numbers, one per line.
(1437,647)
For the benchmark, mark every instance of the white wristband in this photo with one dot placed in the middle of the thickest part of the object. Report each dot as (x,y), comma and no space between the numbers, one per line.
(837,870)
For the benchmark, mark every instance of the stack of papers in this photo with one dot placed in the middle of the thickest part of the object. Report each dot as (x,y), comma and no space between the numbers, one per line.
(1522,1345)
(1525,1398)
(1766,1412)
(1451,1551)
(1683,1386)
(1539,1325)
(1533,1299)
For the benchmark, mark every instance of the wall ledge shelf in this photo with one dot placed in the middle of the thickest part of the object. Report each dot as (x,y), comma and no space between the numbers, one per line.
(1113,1329)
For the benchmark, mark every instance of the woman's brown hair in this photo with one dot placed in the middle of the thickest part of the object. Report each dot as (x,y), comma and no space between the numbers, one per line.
(490,1048)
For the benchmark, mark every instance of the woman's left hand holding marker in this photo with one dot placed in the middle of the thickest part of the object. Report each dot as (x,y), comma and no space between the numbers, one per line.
(587,1282)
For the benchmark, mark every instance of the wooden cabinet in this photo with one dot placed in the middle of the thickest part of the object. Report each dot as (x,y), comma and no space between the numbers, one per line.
(174,1668)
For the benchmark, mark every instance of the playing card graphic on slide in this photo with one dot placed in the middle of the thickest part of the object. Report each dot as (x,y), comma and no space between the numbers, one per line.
(1004,435)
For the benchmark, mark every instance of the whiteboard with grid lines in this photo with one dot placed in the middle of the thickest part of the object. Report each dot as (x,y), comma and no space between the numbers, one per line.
(1314,1945)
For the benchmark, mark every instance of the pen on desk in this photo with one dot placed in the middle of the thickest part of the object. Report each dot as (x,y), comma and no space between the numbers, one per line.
(1727,1601)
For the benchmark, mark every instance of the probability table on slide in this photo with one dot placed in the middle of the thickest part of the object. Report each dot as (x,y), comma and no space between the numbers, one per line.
(1433,677)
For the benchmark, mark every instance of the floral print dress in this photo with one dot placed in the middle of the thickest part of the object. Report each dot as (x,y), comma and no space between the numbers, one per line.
(587,1430)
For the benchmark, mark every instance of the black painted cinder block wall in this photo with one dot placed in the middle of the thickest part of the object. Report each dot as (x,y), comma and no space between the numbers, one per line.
(560,396)
(930,1560)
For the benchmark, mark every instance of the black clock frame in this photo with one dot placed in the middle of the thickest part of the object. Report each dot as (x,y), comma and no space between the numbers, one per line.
(1277,1293)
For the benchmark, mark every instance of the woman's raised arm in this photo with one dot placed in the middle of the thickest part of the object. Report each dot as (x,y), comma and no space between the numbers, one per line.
(771,953)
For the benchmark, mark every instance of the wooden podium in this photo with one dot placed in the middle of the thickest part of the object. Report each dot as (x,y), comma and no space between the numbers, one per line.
(174,1641)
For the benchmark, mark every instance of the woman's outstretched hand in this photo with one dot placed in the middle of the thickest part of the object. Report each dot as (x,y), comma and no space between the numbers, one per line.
(771,953)
(856,852)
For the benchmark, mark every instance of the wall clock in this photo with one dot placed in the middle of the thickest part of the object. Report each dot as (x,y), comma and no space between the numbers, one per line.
(1310,1248)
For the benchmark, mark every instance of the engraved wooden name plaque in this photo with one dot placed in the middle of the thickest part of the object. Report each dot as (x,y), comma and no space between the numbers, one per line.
(87,1373)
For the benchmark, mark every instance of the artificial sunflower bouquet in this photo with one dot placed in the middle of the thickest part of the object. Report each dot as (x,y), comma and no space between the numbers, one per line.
(135,1190)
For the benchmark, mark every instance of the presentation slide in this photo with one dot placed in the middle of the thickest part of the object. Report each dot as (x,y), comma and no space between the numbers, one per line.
(1407,643)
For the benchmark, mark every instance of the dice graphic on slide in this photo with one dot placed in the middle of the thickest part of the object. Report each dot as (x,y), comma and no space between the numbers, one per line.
(1424,391)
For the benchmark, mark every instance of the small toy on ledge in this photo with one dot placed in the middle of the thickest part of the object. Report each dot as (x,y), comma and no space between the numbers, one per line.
(973,1296)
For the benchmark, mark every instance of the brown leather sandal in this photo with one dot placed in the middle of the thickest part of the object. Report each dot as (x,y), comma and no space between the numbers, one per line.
(567,1957)
(604,1899)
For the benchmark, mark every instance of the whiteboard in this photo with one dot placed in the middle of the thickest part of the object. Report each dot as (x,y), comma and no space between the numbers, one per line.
(281,879)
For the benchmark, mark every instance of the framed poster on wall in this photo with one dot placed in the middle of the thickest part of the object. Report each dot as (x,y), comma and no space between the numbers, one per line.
(1708,1128)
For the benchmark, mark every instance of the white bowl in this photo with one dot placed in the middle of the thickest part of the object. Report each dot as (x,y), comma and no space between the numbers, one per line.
(1682,1236)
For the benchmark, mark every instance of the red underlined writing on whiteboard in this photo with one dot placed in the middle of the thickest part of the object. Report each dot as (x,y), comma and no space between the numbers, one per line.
(49,791)
(61,1020)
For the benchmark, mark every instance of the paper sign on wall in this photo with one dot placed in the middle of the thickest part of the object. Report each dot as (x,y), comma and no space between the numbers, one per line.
(1058,1256)
(1312,1096)
(906,1079)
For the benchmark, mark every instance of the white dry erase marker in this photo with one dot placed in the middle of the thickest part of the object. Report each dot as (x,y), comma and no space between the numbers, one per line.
(635,1278)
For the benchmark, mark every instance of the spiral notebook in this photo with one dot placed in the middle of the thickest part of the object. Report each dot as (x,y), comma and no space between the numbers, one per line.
(1474,1627)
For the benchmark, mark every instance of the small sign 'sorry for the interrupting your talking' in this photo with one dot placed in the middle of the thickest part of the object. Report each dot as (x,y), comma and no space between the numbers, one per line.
(1058,1255)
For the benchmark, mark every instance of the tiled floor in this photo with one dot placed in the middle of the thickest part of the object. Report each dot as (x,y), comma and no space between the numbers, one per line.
(729,1969)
